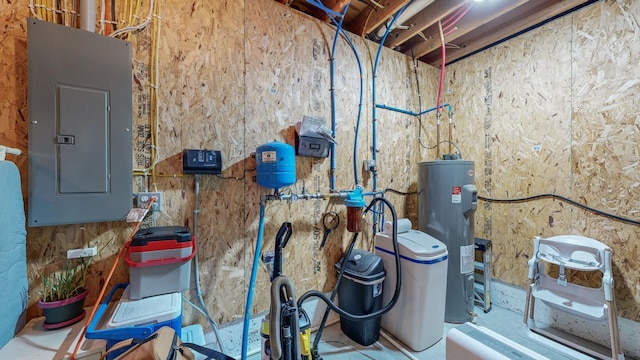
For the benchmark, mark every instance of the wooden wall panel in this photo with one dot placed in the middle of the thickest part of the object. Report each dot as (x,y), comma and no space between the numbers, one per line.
(236,74)
(605,155)
(568,90)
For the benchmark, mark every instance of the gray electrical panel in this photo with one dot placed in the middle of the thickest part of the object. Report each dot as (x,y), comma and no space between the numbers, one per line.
(80,147)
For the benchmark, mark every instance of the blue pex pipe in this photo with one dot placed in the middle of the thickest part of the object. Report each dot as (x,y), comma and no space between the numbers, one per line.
(355,141)
(333,97)
(409,112)
(373,93)
(321,6)
(252,283)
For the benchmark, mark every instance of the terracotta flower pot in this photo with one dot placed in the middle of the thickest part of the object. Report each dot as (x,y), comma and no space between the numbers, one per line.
(63,313)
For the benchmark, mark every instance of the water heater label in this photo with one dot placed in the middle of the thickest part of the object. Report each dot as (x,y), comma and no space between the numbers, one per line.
(269,156)
(456,194)
(467,253)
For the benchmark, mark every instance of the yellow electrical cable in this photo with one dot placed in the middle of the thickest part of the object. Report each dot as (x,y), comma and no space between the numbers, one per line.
(36,9)
(54,16)
(45,4)
(63,12)
(155,60)
(135,15)
(123,16)
(153,96)
(130,13)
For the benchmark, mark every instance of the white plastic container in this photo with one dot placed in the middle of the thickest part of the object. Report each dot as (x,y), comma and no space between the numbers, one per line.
(160,309)
(417,319)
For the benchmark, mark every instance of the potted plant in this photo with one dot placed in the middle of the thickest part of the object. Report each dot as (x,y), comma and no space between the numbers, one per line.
(62,294)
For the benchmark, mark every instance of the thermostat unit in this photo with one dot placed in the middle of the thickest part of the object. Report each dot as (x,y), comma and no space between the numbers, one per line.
(201,162)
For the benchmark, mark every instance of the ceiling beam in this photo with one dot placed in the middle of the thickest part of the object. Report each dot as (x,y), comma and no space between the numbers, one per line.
(369,19)
(522,18)
(480,14)
(427,17)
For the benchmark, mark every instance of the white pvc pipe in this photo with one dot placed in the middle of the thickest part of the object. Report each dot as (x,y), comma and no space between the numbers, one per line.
(415,7)
(88,15)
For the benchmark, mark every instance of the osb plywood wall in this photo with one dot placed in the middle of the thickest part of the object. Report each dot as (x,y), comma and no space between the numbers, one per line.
(555,111)
(232,76)
(551,111)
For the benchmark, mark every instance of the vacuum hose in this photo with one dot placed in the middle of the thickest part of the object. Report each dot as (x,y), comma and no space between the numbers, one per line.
(282,292)
(396,294)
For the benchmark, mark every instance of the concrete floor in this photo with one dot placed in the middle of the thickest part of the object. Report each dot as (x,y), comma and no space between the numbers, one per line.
(336,345)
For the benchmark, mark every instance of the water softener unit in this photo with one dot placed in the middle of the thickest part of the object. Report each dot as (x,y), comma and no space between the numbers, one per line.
(447,201)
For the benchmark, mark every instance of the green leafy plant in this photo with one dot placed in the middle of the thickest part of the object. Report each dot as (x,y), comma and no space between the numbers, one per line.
(64,284)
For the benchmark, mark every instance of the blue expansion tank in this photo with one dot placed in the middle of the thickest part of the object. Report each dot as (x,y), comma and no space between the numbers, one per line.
(275,165)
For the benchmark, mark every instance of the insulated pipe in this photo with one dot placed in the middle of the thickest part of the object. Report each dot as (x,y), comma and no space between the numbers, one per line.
(88,15)
(252,282)
(412,9)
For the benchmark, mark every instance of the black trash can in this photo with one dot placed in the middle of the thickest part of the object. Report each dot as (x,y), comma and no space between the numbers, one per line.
(360,293)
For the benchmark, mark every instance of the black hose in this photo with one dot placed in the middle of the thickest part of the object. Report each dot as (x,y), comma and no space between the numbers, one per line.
(396,294)
(334,293)
(400,192)
(287,343)
(565,199)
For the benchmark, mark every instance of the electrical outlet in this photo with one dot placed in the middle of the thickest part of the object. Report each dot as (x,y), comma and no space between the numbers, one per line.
(143,199)
(369,165)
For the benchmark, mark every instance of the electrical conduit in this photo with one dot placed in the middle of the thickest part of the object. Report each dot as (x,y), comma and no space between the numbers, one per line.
(252,282)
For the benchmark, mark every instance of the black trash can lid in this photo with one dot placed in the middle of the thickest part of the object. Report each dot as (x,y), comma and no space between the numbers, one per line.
(363,265)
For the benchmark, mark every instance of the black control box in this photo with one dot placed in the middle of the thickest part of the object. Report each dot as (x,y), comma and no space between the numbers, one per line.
(201,161)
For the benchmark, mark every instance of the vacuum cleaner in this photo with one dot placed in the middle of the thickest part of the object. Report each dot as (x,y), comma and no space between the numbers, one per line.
(289,328)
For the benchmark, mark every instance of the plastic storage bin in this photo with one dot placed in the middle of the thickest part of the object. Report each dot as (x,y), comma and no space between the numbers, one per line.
(159,260)
(135,319)
(360,293)
(418,317)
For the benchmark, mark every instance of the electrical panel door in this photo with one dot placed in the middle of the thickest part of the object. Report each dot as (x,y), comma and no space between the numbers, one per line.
(80,147)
